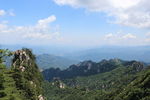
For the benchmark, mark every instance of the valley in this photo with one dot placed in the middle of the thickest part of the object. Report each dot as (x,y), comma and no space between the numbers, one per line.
(113,79)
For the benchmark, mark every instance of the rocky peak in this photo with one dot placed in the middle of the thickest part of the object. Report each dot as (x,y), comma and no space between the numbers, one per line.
(21,58)
(85,63)
(138,66)
(30,78)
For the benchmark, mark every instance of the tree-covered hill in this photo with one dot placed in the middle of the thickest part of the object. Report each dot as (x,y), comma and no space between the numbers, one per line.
(88,68)
(128,85)
(23,80)
(138,89)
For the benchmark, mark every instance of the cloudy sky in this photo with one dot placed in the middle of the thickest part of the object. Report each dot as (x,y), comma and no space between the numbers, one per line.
(75,22)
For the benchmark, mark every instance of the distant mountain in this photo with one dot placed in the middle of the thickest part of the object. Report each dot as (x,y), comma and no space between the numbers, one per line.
(45,61)
(88,68)
(139,53)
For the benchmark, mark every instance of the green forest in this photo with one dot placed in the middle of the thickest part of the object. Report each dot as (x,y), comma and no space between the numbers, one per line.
(122,83)
(23,80)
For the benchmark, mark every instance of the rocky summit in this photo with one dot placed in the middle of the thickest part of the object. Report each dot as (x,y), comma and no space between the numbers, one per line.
(23,80)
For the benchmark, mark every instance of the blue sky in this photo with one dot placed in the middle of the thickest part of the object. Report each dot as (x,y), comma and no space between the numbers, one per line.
(75,22)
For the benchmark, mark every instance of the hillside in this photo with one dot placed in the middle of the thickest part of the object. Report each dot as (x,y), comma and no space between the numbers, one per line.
(23,80)
(117,78)
(139,89)
(112,79)
(122,83)
(88,68)
(8,90)
(45,61)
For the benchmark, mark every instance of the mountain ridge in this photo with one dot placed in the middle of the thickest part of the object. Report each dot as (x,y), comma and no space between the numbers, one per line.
(87,68)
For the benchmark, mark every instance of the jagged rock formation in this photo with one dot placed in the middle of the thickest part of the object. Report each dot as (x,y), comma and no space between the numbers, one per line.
(137,66)
(58,83)
(27,75)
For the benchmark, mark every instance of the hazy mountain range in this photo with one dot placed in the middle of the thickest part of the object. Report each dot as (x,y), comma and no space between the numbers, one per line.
(45,61)
(140,53)
(64,57)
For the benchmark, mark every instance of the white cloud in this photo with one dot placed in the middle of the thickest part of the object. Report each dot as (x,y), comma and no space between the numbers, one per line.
(110,35)
(135,13)
(147,40)
(148,34)
(9,12)
(121,38)
(129,36)
(2,12)
(37,36)
(44,22)
(41,32)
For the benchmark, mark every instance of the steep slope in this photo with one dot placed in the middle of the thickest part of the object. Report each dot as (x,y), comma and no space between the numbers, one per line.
(116,78)
(23,81)
(8,89)
(27,75)
(138,88)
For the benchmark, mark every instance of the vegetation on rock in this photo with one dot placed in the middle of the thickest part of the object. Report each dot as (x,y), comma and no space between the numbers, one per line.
(23,80)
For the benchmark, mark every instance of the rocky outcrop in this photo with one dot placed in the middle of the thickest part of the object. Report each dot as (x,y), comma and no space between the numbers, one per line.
(40,97)
(20,58)
(27,75)
(58,83)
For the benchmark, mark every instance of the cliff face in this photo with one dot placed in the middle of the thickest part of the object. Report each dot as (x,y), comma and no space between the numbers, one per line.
(26,74)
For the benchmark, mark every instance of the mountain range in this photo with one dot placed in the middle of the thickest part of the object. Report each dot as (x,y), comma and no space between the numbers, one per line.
(139,53)
(87,68)
(45,61)
(113,79)
(128,80)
